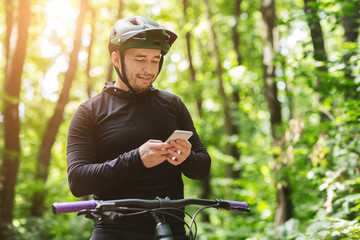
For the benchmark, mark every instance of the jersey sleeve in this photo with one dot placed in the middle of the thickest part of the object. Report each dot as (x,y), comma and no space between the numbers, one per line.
(197,165)
(86,174)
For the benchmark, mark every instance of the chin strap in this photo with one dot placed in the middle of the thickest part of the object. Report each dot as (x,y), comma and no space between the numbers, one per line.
(160,64)
(123,77)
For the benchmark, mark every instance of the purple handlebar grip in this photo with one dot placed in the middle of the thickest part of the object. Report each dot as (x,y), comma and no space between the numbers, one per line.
(68,207)
(237,204)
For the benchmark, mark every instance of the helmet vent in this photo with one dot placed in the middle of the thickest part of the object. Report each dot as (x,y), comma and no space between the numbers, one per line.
(134,22)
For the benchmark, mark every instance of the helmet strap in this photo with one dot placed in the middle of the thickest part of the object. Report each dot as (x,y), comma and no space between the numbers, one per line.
(160,63)
(123,76)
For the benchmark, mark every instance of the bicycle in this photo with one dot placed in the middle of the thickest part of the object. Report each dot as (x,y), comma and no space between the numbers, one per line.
(111,210)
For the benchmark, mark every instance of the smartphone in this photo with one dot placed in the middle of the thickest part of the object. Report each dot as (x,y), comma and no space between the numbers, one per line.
(180,134)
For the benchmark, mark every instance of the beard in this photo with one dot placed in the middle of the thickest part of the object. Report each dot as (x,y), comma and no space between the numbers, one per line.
(142,82)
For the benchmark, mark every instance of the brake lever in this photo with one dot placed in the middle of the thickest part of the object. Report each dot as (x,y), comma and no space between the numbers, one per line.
(108,216)
(91,214)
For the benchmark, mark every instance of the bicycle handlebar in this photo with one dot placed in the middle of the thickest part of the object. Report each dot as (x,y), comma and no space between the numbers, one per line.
(112,205)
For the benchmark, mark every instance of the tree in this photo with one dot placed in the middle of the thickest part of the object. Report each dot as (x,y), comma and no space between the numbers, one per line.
(110,68)
(88,66)
(235,91)
(315,163)
(351,23)
(235,33)
(318,42)
(205,184)
(53,125)
(192,70)
(270,41)
(230,126)
(15,57)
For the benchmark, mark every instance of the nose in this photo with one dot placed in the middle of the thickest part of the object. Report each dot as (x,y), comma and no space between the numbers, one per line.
(146,67)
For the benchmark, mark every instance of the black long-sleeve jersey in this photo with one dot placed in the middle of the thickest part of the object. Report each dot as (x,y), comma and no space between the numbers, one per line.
(103,151)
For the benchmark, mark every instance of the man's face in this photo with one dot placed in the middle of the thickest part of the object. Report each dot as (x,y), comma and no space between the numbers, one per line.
(141,67)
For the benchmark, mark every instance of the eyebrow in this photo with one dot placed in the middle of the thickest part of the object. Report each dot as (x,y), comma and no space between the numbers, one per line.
(140,55)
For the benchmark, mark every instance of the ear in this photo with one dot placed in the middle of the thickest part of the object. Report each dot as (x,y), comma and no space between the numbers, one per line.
(115,58)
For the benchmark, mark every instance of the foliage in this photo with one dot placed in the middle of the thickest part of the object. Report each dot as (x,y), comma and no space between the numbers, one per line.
(336,170)
(323,165)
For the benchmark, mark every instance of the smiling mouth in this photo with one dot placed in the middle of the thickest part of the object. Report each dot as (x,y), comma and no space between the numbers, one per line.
(145,78)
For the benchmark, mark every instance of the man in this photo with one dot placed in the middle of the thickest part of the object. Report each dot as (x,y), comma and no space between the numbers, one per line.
(116,145)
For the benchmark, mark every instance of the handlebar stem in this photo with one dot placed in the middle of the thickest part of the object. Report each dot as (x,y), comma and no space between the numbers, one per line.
(162,230)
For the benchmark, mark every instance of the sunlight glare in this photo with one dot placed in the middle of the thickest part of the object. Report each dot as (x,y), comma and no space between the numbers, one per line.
(156,10)
(48,49)
(60,23)
(281,85)
(171,67)
(60,15)
(1,44)
(30,90)
(175,57)
(297,35)
(50,84)
(83,55)
(237,72)
(1,49)
(86,39)
(183,65)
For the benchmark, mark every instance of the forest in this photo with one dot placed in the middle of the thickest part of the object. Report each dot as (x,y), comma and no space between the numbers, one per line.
(273,88)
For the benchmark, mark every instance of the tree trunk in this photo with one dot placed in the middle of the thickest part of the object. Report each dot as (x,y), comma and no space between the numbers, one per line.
(9,9)
(235,94)
(205,191)
(316,33)
(235,33)
(270,41)
(89,87)
(37,205)
(285,206)
(15,57)
(320,55)
(198,96)
(350,20)
(351,24)
(230,127)
(109,77)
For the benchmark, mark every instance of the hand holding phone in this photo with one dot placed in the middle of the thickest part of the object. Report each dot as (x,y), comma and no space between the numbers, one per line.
(180,151)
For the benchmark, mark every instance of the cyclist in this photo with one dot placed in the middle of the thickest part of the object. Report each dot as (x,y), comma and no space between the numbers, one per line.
(116,142)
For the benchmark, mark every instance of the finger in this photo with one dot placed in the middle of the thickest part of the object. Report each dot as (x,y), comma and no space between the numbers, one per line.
(161,152)
(175,157)
(182,149)
(173,160)
(174,152)
(182,144)
(160,145)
